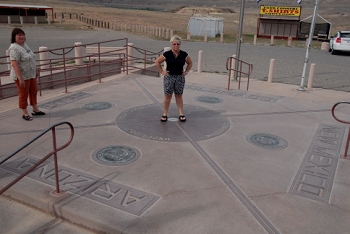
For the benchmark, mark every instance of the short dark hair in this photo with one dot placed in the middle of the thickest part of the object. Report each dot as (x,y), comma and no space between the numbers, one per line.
(15,32)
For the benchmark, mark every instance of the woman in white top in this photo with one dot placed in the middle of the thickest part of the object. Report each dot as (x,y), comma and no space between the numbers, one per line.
(24,72)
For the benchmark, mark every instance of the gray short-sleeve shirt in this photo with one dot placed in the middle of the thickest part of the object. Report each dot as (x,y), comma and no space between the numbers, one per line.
(26,61)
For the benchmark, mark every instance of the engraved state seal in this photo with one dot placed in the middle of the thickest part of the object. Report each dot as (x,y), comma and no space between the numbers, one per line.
(116,155)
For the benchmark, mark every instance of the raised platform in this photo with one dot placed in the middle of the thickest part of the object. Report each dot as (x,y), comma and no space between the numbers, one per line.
(259,161)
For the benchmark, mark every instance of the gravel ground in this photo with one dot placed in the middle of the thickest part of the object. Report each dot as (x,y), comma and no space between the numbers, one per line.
(331,72)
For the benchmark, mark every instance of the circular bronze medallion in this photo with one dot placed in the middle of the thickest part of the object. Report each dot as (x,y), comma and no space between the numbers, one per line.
(267,141)
(116,155)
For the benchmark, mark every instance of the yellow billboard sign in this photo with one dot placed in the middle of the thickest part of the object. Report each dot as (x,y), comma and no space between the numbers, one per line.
(280,10)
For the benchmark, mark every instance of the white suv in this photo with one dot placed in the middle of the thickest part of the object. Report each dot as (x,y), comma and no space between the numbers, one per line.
(340,42)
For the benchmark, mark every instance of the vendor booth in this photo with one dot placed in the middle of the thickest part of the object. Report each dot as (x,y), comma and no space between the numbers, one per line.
(279,21)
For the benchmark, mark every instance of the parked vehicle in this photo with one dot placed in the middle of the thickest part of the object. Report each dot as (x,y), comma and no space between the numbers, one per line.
(340,42)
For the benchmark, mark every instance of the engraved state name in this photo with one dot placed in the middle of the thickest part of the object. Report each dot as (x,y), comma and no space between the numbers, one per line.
(139,134)
(109,193)
(232,93)
(125,113)
(316,174)
(220,131)
(65,100)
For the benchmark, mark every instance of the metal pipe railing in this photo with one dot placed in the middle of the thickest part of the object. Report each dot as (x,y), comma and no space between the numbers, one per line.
(342,121)
(60,67)
(60,61)
(240,70)
(53,152)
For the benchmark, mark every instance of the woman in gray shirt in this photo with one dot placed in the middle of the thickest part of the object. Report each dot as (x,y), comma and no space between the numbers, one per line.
(24,73)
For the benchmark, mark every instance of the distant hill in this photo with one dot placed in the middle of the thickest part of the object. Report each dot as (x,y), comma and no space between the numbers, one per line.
(169,5)
(337,12)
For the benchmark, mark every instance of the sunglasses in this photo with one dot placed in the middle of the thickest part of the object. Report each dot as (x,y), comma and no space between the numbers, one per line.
(176,44)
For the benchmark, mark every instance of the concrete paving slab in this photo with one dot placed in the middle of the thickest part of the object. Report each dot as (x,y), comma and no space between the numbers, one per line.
(194,212)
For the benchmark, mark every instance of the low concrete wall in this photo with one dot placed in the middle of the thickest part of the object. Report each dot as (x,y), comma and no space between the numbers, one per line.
(90,72)
(8,90)
(149,71)
(48,81)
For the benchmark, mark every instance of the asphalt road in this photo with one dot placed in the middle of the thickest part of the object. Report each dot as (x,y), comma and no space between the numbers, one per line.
(331,71)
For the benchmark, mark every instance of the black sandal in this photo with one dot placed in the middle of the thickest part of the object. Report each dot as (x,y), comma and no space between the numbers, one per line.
(182,118)
(164,118)
(27,117)
(38,113)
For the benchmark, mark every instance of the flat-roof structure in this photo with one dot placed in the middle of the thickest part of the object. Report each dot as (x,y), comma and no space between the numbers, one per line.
(28,11)
(198,26)
(279,21)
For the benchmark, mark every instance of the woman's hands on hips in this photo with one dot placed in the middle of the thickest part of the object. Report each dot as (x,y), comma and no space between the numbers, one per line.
(165,73)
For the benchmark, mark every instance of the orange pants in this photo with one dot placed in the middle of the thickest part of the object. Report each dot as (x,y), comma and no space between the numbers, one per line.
(30,90)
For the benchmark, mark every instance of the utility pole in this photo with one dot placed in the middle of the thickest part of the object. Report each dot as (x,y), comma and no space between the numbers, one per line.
(239,38)
(312,27)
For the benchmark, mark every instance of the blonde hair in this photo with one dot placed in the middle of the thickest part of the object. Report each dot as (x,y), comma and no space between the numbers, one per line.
(175,38)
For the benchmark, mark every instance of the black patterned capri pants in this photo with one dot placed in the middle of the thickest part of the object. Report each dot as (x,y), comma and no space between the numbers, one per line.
(174,84)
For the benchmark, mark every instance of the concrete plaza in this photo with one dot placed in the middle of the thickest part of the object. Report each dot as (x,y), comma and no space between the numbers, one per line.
(265,160)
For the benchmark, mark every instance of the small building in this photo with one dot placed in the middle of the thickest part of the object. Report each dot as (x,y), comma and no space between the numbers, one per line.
(198,26)
(279,21)
(28,12)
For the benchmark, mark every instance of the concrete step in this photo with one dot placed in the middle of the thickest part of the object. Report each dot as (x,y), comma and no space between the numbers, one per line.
(32,220)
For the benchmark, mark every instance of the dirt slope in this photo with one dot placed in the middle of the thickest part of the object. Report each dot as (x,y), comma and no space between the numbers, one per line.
(335,11)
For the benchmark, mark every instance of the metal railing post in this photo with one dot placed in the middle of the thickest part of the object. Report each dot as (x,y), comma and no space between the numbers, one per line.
(65,72)
(99,62)
(54,145)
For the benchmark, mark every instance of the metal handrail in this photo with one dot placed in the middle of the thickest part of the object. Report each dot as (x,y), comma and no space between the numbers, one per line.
(148,57)
(53,152)
(342,121)
(62,63)
(240,67)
